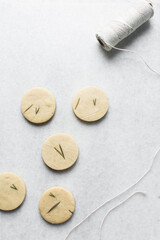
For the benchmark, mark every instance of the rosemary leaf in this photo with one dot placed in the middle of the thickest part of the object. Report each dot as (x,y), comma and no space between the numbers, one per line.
(28,108)
(94,102)
(37,109)
(51,195)
(13,187)
(60,152)
(70,211)
(54,206)
(77,103)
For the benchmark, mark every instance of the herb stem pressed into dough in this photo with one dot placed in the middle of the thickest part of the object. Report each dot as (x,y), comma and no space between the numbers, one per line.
(51,195)
(13,187)
(60,152)
(94,102)
(37,109)
(28,108)
(54,206)
(77,103)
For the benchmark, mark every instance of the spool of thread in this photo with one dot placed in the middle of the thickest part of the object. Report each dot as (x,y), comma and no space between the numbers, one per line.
(138,13)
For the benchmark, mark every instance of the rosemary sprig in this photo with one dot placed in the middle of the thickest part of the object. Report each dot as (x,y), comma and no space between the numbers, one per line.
(28,108)
(70,211)
(51,195)
(77,103)
(54,206)
(60,152)
(13,186)
(37,109)
(94,102)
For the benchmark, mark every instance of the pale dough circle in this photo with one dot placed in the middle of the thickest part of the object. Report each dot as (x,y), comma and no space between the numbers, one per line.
(12,191)
(90,104)
(56,205)
(60,151)
(38,105)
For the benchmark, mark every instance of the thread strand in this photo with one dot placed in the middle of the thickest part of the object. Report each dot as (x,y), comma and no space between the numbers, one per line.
(140,56)
(118,205)
(115,197)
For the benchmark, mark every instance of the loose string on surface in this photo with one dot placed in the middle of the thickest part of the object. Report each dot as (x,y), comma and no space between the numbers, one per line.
(140,56)
(118,195)
(118,205)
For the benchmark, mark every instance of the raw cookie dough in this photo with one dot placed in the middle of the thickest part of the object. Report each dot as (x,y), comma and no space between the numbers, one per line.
(57,205)
(60,151)
(90,104)
(12,191)
(38,105)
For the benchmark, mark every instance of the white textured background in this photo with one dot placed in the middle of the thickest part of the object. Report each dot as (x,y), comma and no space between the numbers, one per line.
(52,44)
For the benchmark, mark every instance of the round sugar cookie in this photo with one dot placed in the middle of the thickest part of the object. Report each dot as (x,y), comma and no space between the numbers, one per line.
(90,104)
(38,105)
(57,205)
(60,151)
(12,191)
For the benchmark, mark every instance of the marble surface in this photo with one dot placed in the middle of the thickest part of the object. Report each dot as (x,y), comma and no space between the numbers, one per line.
(52,44)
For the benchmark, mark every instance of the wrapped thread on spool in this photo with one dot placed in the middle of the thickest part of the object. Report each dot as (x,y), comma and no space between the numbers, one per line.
(139,13)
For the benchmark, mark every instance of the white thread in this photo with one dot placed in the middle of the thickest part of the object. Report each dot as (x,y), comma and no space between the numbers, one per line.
(119,29)
(140,12)
(118,205)
(121,193)
(140,56)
